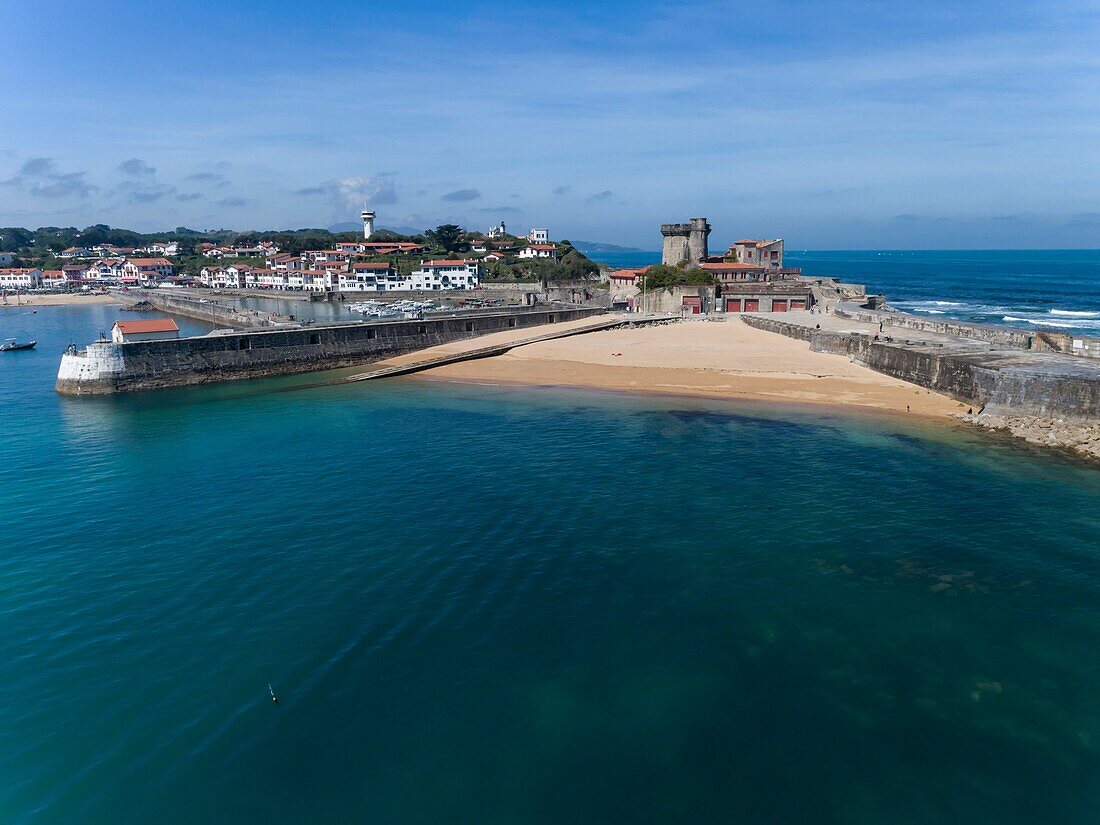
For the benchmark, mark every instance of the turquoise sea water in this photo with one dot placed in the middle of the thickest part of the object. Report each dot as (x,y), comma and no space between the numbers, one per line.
(1047,290)
(497,605)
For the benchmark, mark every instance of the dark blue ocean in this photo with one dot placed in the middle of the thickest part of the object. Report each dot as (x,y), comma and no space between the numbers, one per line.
(1056,291)
(524,605)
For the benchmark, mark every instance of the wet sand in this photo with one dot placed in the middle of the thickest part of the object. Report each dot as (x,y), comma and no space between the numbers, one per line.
(63,299)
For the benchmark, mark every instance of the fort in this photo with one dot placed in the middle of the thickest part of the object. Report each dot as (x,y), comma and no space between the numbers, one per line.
(685,242)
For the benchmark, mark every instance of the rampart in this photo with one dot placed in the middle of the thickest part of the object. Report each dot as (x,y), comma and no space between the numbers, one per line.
(106,368)
(1003,381)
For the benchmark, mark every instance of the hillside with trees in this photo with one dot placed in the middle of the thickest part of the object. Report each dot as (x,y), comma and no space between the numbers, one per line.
(39,248)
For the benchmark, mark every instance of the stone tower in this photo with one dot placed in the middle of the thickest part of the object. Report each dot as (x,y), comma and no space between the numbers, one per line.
(697,240)
(685,242)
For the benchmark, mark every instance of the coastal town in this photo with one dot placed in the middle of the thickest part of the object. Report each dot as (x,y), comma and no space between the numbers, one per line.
(388,264)
(993,374)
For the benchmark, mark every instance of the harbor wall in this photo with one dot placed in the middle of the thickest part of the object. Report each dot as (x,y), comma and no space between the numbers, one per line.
(205,310)
(1038,340)
(979,332)
(994,381)
(106,368)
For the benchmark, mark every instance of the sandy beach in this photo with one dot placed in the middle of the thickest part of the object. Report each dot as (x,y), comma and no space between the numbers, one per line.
(723,359)
(59,300)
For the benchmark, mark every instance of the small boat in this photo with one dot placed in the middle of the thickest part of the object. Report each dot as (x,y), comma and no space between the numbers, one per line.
(11,345)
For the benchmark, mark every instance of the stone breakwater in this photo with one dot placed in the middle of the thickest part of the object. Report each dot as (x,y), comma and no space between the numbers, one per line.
(107,368)
(1047,432)
(1046,398)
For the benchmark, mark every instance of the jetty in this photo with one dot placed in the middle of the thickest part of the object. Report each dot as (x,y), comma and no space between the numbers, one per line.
(108,367)
(503,347)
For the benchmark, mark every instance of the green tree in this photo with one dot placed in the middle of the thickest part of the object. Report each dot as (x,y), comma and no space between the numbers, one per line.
(447,237)
(663,277)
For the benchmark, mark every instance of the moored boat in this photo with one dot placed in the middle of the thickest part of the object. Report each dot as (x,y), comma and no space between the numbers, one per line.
(11,345)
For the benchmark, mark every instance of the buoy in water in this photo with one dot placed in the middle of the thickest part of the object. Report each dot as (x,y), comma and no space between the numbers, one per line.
(274,698)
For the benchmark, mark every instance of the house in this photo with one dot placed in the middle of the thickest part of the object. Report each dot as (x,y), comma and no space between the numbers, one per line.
(317,256)
(147,270)
(285,260)
(497,231)
(623,285)
(229,277)
(75,252)
(391,248)
(6,258)
(350,248)
(215,252)
(169,248)
(539,250)
(156,329)
(728,272)
(53,279)
(437,275)
(768,254)
(332,266)
(364,277)
(21,278)
(538,236)
(105,269)
(494,257)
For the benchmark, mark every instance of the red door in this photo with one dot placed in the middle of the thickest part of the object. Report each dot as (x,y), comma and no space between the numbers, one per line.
(779,306)
(695,302)
(733,304)
(752,305)
(797,305)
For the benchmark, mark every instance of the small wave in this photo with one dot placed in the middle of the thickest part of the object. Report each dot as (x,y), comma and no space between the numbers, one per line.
(929,311)
(1039,322)
(1075,313)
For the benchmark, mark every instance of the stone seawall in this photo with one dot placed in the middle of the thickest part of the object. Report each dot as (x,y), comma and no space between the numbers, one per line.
(106,368)
(206,310)
(1038,340)
(1005,381)
(978,332)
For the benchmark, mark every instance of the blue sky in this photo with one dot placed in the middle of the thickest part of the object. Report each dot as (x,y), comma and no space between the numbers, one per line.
(832,124)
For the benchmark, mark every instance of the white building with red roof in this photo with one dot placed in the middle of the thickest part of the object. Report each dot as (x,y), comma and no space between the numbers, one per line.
(539,250)
(21,278)
(154,329)
(439,275)
(147,270)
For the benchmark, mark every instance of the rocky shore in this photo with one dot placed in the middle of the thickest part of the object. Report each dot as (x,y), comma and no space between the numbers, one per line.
(1048,432)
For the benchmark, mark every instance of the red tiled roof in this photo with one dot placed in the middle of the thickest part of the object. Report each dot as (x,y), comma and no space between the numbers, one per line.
(728,266)
(150,262)
(370,265)
(446,263)
(152,325)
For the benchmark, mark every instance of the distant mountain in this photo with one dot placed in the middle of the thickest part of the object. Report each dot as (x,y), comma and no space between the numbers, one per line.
(596,247)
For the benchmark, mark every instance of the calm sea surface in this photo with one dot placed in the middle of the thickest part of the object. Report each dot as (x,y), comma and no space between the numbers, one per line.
(1055,291)
(493,605)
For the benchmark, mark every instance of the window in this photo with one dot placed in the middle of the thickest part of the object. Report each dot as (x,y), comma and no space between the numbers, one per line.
(314,338)
(469,326)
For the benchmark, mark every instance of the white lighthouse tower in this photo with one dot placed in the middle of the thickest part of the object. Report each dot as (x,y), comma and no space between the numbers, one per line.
(368,223)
